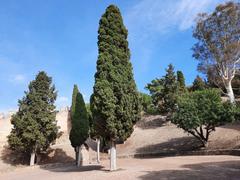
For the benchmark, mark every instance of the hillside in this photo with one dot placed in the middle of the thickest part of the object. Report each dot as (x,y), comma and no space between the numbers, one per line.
(151,135)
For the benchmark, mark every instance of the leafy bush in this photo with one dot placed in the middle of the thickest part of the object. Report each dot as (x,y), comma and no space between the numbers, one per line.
(199,112)
(237,111)
(147,104)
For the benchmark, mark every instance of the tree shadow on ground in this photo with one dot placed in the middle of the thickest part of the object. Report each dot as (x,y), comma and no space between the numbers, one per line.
(55,156)
(71,167)
(13,158)
(152,122)
(172,146)
(233,126)
(211,170)
(51,156)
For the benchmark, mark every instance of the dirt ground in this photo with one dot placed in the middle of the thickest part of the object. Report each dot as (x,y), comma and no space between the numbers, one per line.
(182,167)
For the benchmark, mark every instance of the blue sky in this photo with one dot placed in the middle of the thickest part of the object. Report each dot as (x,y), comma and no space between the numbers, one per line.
(60,37)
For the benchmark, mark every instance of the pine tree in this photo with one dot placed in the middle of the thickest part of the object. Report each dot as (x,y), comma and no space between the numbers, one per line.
(80,123)
(198,84)
(115,102)
(181,81)
(34,124)
(169,90)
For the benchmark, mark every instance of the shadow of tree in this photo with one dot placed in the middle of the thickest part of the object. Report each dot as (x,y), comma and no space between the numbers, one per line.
(172,146)
(233,126)
(51,156)
(13,158)
(71,167)
(214,170)
(152,122)
(55,156)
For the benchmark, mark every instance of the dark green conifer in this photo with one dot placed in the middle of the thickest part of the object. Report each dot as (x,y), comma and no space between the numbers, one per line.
(115,102)
(80,123)
(169,90)
(34,124)
(198,84)
(181,82)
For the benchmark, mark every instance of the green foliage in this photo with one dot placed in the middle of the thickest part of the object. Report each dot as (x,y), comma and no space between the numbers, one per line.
(74,96)
(198,84)
(34,124)
(80,121)
(147,103)
(170,90)
(217,46)
(201,111)
(164,91)
(237,115)
(181,81)
(92,131)
(155,88)
(115,103)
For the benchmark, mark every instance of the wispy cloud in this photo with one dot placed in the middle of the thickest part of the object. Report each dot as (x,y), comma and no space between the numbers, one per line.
(17,79)
(163,16)
(151,21)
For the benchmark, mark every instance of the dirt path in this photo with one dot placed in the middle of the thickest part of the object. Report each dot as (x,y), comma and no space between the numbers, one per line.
(184,167)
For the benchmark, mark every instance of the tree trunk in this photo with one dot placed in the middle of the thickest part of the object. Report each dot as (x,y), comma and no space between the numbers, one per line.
(76,155)
(113,155)
(98,150)
(205,144)
(32,158)
(230,91)
(79,159)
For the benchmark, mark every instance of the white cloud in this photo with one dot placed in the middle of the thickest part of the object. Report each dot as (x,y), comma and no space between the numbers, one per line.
(152,21)
(162,16)
(18,78)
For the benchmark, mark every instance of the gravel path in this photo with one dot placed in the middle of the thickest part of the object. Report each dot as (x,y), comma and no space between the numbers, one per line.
(182,167)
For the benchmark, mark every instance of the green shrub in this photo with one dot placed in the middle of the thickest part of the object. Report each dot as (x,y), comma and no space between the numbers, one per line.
(237,111)
(199,112)
(147,104)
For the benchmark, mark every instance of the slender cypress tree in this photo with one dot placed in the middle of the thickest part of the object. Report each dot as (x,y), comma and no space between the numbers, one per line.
(115,102)
(80,123)
(34,125)
(169,90)
(74,96)
(181,81)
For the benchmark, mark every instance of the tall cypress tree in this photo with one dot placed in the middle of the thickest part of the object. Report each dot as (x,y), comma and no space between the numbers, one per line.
(80,123)
(169,90)
(181,81)
(74,96)
(115,102)
(34,125)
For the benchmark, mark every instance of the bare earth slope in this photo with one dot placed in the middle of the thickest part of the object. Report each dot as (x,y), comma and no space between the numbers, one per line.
(154,134)
(151,135)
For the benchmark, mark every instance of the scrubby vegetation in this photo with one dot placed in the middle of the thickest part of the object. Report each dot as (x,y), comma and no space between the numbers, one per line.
(199,112)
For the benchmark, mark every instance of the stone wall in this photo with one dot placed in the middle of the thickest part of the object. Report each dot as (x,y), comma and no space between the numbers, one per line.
(63,121)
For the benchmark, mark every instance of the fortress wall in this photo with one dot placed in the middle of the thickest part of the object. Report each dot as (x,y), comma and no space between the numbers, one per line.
(62,117)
